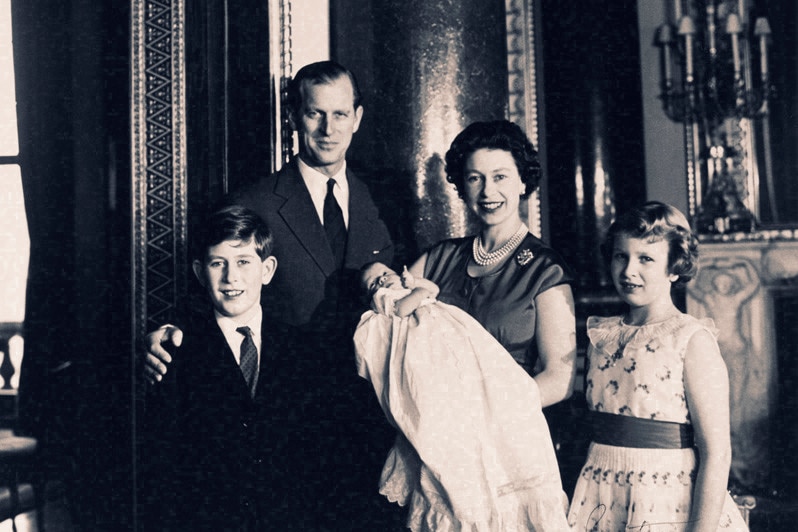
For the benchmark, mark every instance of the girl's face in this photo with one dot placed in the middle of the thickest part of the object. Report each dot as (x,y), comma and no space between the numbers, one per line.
(639,270)
(493,186)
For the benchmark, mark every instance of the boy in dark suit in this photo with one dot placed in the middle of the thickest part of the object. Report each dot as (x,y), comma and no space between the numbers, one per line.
(219,432)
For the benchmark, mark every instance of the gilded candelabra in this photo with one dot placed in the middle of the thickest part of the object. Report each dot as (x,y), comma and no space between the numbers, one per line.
(715,83)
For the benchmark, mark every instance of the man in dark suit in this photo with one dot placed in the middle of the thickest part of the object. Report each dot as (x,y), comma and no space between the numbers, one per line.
(326,227)
(324,109)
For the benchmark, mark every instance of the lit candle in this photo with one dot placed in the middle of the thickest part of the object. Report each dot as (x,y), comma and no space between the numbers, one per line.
(688,56)
(713,47)
(664,40)
(736,54)
(666,59)
(733,28)
(687,30)
(762,30)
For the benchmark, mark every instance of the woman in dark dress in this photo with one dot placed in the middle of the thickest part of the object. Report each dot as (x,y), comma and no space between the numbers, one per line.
(515,285)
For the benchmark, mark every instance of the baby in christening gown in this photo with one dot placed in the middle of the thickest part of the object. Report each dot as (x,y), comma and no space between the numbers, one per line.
(473,451)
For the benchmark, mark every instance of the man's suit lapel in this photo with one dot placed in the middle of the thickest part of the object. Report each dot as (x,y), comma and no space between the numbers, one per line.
(302,219)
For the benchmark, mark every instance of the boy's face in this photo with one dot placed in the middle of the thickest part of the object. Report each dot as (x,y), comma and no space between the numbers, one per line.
(380,275)
(233,275)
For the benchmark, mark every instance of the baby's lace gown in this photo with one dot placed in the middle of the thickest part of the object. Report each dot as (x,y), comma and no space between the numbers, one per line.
(623,488)
(474,451)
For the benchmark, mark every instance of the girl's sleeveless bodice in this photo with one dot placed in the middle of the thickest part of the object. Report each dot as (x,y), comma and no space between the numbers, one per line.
(638,370)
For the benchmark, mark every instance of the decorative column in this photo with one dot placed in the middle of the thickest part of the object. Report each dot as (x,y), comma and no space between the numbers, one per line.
(427,70)
(158,162)
(449,69)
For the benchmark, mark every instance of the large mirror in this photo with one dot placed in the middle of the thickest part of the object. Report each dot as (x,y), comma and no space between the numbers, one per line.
(779,189)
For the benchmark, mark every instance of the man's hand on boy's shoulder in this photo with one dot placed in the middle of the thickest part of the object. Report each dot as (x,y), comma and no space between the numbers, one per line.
(157,357)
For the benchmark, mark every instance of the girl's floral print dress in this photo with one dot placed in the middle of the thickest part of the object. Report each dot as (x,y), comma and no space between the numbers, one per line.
(638,371)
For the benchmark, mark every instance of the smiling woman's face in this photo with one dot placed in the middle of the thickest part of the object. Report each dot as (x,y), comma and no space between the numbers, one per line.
(493,186)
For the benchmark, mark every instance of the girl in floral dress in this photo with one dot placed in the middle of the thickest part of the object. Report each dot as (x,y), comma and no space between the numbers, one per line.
(658,394)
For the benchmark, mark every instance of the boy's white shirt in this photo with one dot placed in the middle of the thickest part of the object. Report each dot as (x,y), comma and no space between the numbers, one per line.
(234,338)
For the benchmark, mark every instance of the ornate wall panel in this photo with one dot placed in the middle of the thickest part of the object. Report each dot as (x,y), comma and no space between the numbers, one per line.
(522,104)
(159,179)
(158,165)
(281,70)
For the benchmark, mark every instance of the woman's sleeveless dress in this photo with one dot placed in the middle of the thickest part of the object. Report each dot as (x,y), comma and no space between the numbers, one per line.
(638,371)
(474,453)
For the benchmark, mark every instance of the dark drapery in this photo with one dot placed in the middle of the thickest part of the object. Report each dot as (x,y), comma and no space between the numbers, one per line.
(71,81)
(593,124)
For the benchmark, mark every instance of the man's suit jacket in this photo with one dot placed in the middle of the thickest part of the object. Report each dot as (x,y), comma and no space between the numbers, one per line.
(344,425)
(306,288)
(214,457)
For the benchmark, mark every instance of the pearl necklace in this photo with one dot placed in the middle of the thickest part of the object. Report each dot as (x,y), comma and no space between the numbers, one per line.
(483,258)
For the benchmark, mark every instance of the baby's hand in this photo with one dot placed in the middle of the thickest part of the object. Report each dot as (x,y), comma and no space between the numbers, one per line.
(408,281)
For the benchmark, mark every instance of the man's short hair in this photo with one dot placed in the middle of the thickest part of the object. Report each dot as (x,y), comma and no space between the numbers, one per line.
(318,73)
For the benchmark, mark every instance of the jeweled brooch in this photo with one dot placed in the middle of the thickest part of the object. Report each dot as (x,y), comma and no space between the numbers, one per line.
(524,256)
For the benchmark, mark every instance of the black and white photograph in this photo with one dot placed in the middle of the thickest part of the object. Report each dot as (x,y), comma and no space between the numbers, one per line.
(398,265)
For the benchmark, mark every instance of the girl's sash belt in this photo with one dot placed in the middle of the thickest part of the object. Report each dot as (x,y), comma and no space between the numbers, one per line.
(628,431)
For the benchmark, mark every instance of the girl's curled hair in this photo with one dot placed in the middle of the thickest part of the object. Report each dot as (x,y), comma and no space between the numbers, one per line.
(656,221)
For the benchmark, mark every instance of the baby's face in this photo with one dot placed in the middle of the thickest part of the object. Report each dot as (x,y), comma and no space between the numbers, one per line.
(379,276)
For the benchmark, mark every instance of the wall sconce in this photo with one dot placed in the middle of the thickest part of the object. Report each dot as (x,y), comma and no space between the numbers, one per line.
(715,83)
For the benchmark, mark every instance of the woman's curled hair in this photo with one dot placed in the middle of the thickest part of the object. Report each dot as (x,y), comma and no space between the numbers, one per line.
(494,135)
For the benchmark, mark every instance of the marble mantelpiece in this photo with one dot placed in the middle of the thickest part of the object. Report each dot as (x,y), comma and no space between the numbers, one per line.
(740,275)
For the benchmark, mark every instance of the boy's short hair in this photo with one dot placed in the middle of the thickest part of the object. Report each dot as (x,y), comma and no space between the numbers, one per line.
(656,221)
(233,222)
